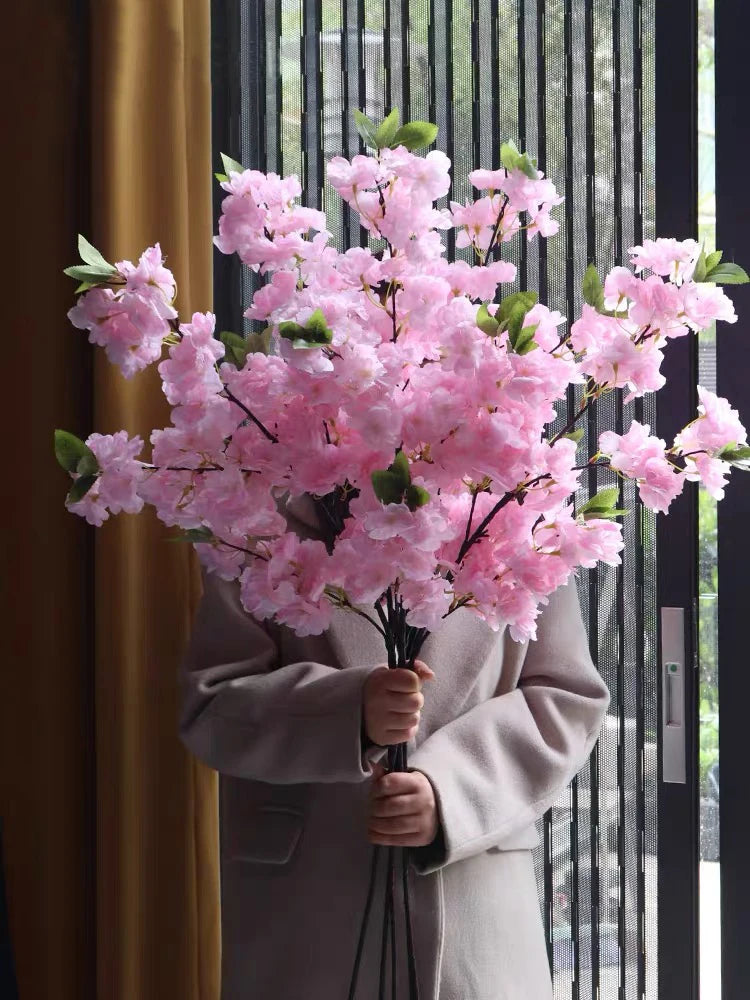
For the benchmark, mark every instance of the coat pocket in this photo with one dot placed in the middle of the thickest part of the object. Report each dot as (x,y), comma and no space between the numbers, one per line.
(523,840)
(268,836)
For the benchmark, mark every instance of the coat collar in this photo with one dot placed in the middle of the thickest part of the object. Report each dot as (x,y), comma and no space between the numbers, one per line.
(301,511)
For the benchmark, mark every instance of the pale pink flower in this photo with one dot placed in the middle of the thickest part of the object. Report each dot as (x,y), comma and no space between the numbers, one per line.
(277,293)
(116,486)
(673,259)
(717,425)
(149,274)
(491,180)
(710,471)
(220,559)
(129,326)
(704,304)
(190,374)
(641,456)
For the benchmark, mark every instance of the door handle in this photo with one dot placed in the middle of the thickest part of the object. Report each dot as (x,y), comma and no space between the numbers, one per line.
(673,695)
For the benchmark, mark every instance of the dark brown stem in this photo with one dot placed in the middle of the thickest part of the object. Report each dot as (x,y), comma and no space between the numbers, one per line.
(239,548)
(471,517)
(459,604)
(591,465)
(264,430)
(516,494)
(641,337)
(411,958)
(491,244)
(561,341)
(187,468)
(376,852)
(572,422)
(362,614)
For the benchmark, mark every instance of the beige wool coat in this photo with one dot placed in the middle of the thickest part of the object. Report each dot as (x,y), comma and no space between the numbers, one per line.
(504,728)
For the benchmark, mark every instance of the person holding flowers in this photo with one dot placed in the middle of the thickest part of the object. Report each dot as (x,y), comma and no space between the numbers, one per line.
(389,661)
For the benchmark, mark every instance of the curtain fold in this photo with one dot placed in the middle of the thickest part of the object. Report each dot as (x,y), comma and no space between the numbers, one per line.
(110,826)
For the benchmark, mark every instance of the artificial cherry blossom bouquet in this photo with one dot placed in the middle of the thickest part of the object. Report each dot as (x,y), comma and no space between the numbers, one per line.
(403,392)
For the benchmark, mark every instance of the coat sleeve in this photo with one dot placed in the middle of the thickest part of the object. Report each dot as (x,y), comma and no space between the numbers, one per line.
(497,768)
(244,715)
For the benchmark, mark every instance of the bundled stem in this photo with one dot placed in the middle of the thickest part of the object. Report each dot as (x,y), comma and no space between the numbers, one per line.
(403,643)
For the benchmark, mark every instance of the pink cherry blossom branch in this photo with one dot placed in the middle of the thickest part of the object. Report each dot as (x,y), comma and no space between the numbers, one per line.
(491,244)
(264,430)
(516,494)
(573,421)
(239,548)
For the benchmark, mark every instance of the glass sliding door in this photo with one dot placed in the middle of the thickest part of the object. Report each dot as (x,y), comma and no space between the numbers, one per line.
(604,93)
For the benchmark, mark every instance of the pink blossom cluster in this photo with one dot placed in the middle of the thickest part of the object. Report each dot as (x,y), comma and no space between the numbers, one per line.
(511,194)
(116,488)
(644,458)
(702,442)
(384,359)
(131,320)
(623,343)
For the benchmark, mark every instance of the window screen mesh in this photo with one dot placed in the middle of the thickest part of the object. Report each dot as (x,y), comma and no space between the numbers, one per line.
(573,84)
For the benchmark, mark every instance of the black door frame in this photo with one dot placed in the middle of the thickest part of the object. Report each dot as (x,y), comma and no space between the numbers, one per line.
(732,25)
(676,202)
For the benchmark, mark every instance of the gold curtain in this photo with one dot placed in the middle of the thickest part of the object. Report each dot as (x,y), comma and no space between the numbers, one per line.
(110,827)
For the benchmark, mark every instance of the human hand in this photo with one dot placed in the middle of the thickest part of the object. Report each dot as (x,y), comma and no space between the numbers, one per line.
(392,703)
(403,811)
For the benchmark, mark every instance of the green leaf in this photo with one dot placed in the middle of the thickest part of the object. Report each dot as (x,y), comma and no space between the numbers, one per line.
(732,453)
(400,469)
(80,488)
(576,435)
(236,348)
(88,464)
(315,333)
(221,177)
(486,323)
(69,450)
(510,303)
(699,271)
(89,273)
(366,128)
(515,322)
(387,129)
(201,534)
(609,514)
(231,165)
(513,159)
(83,287)
(510,156)
(317,329)
(713,259)
(259,343)
(291,331)
(728,274)
(593,290)
(415,135)
(603,501)
(525,342)
(387,486)
(416,496)
(90,255)
(390,484)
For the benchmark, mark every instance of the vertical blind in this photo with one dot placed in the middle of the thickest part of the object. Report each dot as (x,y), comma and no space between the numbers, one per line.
(572,83)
